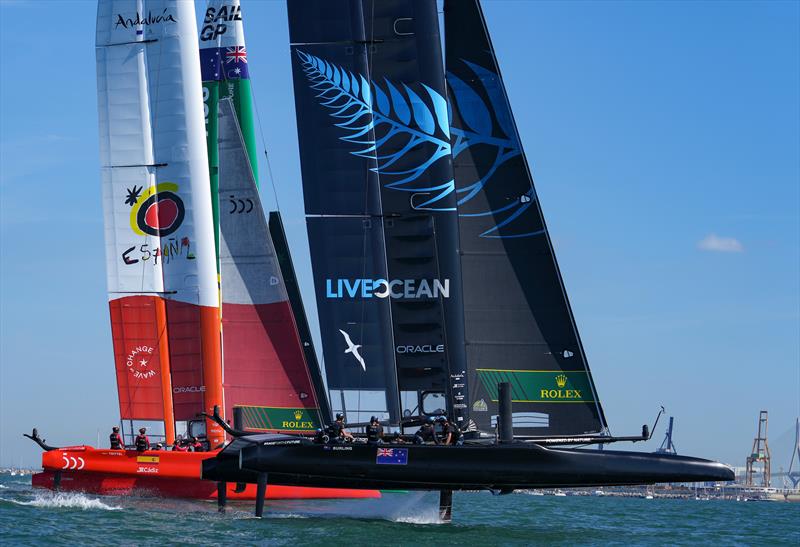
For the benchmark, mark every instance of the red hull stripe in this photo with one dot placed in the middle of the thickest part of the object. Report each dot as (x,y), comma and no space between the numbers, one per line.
(172,474)
(123,485)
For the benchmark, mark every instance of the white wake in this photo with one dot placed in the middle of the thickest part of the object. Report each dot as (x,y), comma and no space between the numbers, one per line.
(66,500)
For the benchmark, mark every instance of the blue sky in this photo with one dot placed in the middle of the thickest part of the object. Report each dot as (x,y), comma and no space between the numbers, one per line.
(664,139)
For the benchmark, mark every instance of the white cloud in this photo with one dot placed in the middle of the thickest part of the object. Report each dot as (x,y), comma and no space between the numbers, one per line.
(715,243)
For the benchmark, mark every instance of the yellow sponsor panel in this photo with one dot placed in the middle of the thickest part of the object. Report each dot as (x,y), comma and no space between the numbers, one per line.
(146,459)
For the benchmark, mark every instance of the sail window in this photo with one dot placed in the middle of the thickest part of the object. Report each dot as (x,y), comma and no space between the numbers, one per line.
(434,402)
(359,405)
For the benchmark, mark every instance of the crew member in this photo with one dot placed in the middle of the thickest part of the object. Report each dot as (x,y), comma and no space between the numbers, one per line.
(374,431)
(451,433)
(320,437)
(142,442)
(426,433)
(337,432)
(116,439)
(179,445)
(196,445)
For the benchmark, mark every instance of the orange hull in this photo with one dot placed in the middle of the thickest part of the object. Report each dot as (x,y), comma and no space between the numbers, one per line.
(161,473)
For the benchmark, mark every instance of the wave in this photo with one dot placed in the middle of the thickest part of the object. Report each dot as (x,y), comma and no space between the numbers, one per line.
(419,519)
(3,486)
(66,501)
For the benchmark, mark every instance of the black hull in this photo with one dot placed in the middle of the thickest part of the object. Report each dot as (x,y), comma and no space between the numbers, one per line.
(429,467)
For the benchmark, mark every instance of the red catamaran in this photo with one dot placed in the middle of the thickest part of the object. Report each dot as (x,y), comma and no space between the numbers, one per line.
(192,328)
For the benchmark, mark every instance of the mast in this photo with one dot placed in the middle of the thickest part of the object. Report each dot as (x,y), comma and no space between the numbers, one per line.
(380,202)
(158,223)
(518,321)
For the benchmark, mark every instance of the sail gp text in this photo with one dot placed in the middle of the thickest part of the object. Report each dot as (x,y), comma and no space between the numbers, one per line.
(382,288)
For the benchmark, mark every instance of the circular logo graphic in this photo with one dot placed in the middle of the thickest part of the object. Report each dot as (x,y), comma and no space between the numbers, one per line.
(158,212)
(138,362)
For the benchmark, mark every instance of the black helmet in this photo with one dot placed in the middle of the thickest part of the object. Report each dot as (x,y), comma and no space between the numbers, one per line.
(115,428)
(339,416)
(373,419)
(430,419)
(142,430)
(441,419)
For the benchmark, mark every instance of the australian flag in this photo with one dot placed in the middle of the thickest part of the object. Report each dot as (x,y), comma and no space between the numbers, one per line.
(224,63)
(392,456)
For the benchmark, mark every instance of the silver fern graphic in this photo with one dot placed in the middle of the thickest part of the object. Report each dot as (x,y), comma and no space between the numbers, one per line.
(372,115)
(478,128)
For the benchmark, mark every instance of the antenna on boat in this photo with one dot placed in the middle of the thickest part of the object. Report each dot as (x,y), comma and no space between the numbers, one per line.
(647,433)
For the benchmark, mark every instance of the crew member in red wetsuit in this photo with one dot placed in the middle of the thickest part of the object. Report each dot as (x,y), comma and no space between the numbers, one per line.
(179,445)
(197,446)
(116,439)
(142,442)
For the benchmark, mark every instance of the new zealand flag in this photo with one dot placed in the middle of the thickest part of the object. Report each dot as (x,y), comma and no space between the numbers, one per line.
(392,456)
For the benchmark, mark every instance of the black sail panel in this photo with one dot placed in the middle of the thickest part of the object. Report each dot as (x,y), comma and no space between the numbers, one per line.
(518,322)
(377,172)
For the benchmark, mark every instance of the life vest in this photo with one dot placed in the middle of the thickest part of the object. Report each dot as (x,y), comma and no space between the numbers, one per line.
(142,443)
(116,442)
(374,432)
(455,432)
(335,430)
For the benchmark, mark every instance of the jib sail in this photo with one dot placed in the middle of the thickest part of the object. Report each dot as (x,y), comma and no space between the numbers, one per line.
(158,229)
(380,201)
(265,371)
(519,325)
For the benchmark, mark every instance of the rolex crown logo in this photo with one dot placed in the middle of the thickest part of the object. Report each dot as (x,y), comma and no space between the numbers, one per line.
(561,380)
(298,414)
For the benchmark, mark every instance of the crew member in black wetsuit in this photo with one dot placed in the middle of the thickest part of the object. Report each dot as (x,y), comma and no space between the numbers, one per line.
(374,431)
(336,431)
(116,439)
(426,433)
(142,442)
(451,433)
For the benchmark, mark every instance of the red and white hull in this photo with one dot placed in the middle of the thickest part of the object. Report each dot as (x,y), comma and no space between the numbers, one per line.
(156,473)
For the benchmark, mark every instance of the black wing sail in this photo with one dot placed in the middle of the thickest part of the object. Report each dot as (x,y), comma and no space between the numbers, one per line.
(518,322)
(380,201)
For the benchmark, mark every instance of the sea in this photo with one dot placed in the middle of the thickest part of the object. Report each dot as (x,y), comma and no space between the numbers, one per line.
(35,517)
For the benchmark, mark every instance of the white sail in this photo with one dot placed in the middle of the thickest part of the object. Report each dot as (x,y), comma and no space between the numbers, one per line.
(162,279)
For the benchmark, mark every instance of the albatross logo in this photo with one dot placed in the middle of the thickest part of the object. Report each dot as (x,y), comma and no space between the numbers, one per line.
(353,348)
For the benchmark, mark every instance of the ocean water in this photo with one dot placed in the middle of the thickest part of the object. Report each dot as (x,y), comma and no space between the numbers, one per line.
(33,517)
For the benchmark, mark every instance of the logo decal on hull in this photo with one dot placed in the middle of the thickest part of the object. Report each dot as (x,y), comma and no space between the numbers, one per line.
(392,456)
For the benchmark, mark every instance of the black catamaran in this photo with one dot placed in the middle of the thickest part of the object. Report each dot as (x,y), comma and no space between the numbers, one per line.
(435,277)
